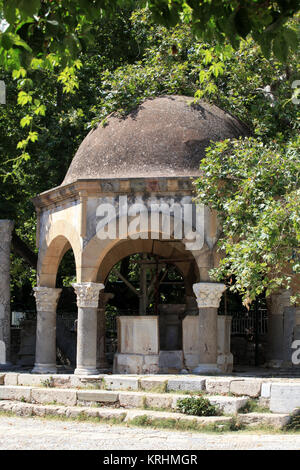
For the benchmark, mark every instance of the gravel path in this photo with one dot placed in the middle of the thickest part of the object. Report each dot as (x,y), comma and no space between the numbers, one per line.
(36,433)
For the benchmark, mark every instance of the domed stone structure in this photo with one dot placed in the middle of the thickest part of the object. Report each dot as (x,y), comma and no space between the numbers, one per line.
(165,136)
(129,191)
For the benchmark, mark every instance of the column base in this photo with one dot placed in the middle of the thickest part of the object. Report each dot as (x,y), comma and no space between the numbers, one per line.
(203,369)
(44,369)
(86,371)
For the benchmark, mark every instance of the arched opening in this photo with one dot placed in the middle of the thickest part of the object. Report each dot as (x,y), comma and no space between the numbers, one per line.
(66,313)
(57,269)
(149,283)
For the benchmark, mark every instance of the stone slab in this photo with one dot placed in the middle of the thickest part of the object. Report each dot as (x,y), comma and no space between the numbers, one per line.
(131,399)
(34,380)
(285,397)
(250,388)
(11,379)
(266,390)
(102,396)
(159,400)
(84,381)
(13,392)
(153,383)
(218,385)
(170,360)
(277,421)
(54,395)
(115,382)
(228,405)
(189,384)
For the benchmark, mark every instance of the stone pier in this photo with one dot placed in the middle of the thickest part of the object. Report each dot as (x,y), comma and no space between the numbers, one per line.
(6,227)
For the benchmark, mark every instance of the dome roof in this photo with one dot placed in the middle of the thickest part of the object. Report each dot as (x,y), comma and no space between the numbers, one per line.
(164,136)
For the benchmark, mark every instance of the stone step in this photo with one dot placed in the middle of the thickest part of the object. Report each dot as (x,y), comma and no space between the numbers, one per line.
(135,416)
(283,395)
(125,399)
(120,415)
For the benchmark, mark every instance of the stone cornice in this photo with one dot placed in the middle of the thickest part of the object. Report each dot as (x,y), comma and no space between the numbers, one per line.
(114,186)
(46,298)
(88,293)
(208,294)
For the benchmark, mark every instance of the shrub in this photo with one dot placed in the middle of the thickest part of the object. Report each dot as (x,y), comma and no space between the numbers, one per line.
(197,406)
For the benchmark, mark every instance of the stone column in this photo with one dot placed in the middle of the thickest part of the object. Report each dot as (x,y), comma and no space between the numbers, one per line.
(6,227)
(208,296)
(87,303)
(45,350)
(101,331)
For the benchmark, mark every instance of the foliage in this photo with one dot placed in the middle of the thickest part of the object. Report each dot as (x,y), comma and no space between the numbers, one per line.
(56,92)
(197,406)
(255,190)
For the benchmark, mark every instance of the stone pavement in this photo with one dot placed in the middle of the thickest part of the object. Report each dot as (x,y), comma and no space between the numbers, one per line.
(18,433)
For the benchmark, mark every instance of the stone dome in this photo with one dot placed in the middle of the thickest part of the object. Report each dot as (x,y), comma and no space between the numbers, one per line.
(164,136)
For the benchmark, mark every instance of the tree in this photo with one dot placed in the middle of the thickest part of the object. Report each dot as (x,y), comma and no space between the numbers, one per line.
(132,59)
(255,190)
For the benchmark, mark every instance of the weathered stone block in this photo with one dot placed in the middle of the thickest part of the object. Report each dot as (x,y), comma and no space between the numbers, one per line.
(229,405)
(266,390)
(2,376)
(186,384)
(170,360)
(251,388)
(128,363)
(153,383)
(131,400)
(138,335)
(11,379)
(218,386)
(63,396)
(159,400)
(115,382)
(277,421)
(98,396)
(12,392)
(22,409)
(191,360)
(285,397)
(34,380)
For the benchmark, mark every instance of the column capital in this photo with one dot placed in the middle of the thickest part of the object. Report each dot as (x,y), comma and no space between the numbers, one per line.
(46,298)
(88,293)
(208,294)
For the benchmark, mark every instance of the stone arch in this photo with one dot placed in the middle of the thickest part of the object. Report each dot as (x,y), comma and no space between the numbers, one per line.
(61,237)
(98,250)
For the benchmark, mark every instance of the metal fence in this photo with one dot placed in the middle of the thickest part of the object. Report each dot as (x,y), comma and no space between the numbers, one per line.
(249,323)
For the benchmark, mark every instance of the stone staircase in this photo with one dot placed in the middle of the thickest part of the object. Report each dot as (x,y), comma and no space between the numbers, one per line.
(151,400)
